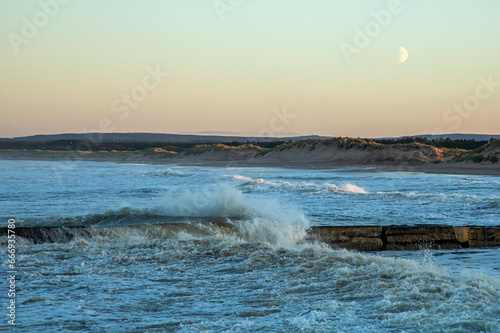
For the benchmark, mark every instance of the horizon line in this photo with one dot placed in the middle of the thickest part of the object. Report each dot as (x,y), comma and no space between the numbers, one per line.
(252,136)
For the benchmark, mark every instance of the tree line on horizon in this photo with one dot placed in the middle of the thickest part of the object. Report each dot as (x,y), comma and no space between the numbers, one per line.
(84,145)
(467,144)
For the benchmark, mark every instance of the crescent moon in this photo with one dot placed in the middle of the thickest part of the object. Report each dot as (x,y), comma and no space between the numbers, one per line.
(403,54)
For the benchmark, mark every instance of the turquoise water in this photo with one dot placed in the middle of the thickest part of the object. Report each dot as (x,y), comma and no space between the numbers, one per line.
(194,249)
(43,191)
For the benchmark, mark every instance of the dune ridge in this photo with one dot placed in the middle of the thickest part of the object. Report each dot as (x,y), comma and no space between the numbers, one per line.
(308,153)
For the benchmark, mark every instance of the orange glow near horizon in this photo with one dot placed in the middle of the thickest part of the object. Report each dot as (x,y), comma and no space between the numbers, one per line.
(91,67)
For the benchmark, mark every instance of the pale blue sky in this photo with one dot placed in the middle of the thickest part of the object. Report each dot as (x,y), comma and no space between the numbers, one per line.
(230,74)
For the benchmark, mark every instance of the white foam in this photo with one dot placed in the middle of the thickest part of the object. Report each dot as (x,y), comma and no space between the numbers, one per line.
(306,186)
(258,220)
(170,172)
(238,177)
(351,188)
(346,188)
(306,320)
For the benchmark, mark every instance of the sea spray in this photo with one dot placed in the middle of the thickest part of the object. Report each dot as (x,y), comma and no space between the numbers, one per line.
(261,184)
(221,209)
(156,269)
(256,219)
(215,279)
(346,188)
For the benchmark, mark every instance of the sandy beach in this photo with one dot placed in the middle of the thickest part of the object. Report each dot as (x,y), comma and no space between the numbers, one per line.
(214,159)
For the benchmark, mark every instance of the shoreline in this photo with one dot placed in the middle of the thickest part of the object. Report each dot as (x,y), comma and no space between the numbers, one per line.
(212,161)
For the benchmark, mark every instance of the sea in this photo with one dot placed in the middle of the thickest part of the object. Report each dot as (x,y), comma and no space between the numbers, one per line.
(171,248)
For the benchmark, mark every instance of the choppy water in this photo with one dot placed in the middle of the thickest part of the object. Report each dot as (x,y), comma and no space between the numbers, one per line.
(222,250)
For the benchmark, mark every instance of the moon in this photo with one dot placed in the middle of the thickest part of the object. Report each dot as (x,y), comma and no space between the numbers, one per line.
(403,54)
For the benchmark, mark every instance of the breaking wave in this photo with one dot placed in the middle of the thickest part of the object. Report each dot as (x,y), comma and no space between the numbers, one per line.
(219,209)
(260,184)
(170,173)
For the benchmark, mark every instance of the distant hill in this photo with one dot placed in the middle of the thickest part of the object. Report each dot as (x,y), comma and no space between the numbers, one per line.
(153,137)
(192,138)
(477,137)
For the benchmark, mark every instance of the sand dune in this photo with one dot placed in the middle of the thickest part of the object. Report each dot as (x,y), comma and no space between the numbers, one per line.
(310,153)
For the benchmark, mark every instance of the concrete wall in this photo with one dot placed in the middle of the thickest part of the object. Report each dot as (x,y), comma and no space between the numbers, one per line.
(378,238)
(363,238)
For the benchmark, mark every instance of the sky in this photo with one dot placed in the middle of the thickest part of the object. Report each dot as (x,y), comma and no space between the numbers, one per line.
(250,67)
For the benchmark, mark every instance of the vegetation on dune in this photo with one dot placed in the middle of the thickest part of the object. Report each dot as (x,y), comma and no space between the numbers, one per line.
(489,153)
(86,145)
(199,149)
(349,143)
(422,151)
(158,152)
(341,142)
(495,144)
(440,149)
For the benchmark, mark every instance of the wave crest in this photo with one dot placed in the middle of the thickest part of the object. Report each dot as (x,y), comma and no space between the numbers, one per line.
(254,220)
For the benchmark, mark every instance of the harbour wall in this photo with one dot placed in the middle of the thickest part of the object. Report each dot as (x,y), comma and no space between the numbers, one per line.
(362,238)
(379,238)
